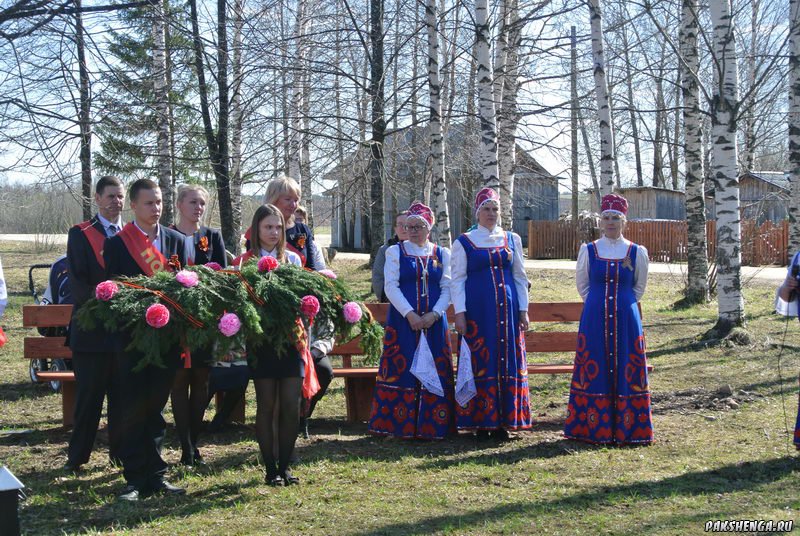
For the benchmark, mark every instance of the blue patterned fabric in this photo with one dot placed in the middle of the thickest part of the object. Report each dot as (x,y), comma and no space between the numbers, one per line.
(609,399)
(400,406)
(497,345)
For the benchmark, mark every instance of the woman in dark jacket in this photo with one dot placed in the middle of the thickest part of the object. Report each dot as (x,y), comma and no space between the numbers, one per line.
(190,390)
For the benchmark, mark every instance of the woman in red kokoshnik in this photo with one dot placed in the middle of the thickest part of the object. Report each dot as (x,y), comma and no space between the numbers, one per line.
(278,379)
(190,390)
(143,247)
(609,398)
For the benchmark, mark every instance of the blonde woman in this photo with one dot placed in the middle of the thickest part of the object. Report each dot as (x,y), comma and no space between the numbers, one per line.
(190,389)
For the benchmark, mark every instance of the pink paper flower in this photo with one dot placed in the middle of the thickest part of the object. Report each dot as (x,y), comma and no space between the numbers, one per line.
(187,279)
(157,316)
(352,312)
(328,273)
(309,306)
(229,324)
(106,290)
(214,266)
(267,264)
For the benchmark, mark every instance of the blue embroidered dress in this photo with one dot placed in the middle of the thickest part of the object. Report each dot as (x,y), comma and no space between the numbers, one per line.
(609,400)
(499,366)
(400,406)
(791,309)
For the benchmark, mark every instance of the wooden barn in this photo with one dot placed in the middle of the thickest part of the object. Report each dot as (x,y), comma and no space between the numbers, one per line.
(650,203)
(763,196)
(535,194)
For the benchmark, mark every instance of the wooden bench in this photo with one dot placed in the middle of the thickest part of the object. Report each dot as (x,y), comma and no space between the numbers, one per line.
(51,316)
(359,382)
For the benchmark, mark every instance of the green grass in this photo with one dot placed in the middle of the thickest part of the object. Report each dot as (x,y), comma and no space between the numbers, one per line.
(709,461)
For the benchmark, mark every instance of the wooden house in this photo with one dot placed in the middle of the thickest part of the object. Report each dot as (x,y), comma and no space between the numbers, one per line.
(650,203)
(763,196)
(535,190)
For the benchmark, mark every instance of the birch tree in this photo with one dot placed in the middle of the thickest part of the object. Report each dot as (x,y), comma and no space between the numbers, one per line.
(794,126)
(697,288)
(435,125)
(161,104)
(724,109)
(486,108)
(603,106)
(508,115)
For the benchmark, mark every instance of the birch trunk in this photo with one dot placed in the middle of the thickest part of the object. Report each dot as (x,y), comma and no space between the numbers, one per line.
(486,109)
(697,287)
(161,105)
(603,106)
(437,143)
(237,118)
(725,174)
(573,90)
(794,127)
(84,116)
(658,153)
(296,107)
(508,115)
(637,152)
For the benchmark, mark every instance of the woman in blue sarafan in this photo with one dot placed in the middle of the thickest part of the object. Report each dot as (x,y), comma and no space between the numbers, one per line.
(490,298)
(609,397)
(413,395)
(786,304)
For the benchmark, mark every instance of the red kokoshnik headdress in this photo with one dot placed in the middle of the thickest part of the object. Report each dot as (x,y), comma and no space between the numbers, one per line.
(614,203)
(422,212)
(484,196)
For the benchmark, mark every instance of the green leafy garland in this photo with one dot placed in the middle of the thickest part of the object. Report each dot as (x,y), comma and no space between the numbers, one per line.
(266,304)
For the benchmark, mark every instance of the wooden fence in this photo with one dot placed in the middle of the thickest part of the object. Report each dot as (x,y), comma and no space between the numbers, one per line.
(665,240)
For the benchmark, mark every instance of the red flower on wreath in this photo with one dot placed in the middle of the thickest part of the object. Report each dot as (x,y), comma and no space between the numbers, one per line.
(203,244)
(267,264)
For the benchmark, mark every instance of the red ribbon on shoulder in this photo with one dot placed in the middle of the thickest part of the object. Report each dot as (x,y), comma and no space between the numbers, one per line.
(96,240)
(149,259)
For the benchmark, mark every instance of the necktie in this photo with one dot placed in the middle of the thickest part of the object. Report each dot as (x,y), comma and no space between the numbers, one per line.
(112,230)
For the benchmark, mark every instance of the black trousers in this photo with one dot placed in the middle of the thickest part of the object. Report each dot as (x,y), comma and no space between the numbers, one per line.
(93,375)
(324,370)
(143,395)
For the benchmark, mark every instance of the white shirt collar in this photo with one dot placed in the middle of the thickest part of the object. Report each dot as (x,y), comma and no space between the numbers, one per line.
(106,222)
(158,230)
(265,253)
(497,231)
(614,242)
(414,249)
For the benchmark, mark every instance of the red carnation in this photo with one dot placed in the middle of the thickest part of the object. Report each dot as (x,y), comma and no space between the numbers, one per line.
(309,306)
(157,316)
(267,264)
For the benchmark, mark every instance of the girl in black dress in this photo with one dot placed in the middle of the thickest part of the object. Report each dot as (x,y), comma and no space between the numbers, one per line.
(278,379)
(190,389)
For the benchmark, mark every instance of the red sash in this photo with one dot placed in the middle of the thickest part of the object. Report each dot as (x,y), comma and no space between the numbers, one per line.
(295,250)
(149,259)
(95,239)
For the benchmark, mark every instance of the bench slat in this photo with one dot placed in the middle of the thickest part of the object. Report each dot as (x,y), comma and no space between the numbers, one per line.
(533,368)
(46,348)
(63,376)
(46,316)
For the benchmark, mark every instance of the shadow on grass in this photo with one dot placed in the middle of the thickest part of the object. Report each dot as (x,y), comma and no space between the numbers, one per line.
(11,392)
(727,479)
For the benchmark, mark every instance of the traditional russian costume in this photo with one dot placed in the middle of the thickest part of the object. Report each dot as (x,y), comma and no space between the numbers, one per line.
(609,399)
(790,309)
(490,286)
(413,395)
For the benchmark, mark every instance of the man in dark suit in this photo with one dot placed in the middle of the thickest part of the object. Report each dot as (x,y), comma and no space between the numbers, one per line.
(143,247)
(92,351)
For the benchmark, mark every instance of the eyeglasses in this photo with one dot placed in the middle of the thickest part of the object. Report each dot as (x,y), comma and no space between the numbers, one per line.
(415,228)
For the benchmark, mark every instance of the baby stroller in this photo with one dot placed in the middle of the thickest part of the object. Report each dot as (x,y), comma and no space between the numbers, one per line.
(56,292)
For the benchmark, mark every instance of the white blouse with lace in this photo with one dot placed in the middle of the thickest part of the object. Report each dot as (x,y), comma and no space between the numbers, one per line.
(608,248)
(391,274)
(485,238)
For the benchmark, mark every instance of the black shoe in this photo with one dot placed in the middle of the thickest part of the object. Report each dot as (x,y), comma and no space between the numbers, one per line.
(215,426)
(162,487)
(482,435)
(500,434)
(289,478)
(274,480)
(130,494)
(72,468)
(198,459)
